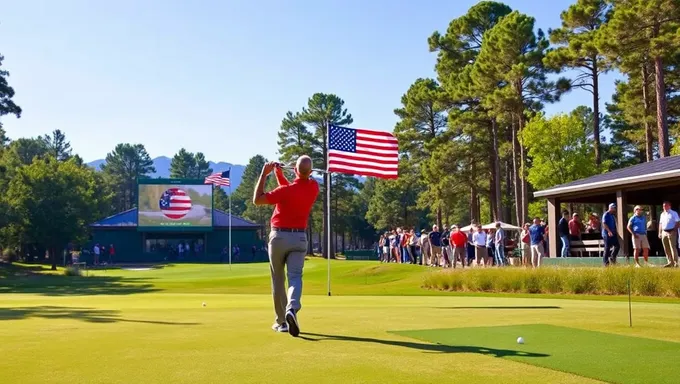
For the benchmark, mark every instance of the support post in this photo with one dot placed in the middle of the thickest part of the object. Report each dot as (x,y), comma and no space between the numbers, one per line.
(621,222)
(553,218)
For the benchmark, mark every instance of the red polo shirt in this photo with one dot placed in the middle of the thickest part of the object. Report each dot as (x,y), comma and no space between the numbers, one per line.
(459,239)
(293,202)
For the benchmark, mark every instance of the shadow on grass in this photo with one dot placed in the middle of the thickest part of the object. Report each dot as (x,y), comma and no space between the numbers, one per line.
(90,315)
(440,348)
(29,279)
(506,307)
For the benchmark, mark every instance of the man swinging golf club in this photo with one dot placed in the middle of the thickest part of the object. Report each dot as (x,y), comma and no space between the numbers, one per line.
(287,239)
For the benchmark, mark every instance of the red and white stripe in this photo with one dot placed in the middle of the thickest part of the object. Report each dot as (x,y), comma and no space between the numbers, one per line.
(180,205)
(377,155)
(217,179)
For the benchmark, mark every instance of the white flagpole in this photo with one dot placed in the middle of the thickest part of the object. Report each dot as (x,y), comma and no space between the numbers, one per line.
(328,208)
(230,219)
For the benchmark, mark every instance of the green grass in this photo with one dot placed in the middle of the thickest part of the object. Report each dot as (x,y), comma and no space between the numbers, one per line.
(121,326)
(597,355)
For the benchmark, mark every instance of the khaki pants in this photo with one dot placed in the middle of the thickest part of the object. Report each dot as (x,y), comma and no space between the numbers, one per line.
(670,246)
(425,254)
(286,251)
(435,254)
(537,252)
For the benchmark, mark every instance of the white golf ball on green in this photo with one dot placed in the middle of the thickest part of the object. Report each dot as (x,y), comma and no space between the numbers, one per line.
(520,340)
(204,304)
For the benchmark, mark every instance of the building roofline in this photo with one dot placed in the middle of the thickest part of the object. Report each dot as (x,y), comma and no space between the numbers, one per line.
(625,181)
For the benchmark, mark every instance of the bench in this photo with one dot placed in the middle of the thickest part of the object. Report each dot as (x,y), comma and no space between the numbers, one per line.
(579,246)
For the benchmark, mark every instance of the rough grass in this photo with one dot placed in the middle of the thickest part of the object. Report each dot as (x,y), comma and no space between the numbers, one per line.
(656,282)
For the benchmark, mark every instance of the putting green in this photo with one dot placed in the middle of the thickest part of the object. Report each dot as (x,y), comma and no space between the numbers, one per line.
(598,355)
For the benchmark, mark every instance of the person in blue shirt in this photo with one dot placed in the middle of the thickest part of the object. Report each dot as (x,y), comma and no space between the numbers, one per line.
(609,235)
(536,233)
(637,226)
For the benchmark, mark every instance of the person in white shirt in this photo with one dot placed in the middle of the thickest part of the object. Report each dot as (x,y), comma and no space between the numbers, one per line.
(669,222)
(479,241)
(499,242)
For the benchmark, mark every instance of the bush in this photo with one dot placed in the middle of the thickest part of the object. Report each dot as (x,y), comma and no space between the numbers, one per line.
(72,271)
(603,281)
(8,255)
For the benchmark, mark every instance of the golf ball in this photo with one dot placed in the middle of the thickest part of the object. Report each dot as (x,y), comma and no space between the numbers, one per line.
(204,304)
(520,340)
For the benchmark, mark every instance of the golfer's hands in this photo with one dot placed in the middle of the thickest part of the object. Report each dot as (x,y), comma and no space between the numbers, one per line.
(268,167)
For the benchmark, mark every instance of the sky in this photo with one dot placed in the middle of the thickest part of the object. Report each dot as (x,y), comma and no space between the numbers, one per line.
(219,76)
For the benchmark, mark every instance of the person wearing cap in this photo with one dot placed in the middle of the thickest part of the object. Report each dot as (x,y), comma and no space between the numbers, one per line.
(479,241)
(288,240)
(609,235)
(458,246)
(669,222)
(435,246)
(536,237)
(637,226)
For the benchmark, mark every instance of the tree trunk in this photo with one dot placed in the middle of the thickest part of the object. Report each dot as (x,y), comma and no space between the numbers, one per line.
(493,164)
(497,170)
(662,124)
(515,172)
(523,176)
(439,215)
(508,191)
(649,139)
(310,241)
(474,213)
(51,251)
(596,113)
(343,242)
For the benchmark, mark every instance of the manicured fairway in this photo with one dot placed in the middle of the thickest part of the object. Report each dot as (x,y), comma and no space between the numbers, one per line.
(152,328)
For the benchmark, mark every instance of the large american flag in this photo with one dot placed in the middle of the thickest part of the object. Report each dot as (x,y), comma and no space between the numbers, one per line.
(362,152)
(175,203)
(219,178)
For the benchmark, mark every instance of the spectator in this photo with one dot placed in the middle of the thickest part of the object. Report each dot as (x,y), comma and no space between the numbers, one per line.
(575,228)
(525,244)
(435,245)
(637,226)
(381,244)
(499,242)
(669,222)
(563,229)
(424,248)
(609,234)
(413,240)
(96,251)
(459,246)
(479,241)
(446,250)
(536,233)
(112,254)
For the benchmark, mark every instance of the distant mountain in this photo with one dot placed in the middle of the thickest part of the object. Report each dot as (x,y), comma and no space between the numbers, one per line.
(162,165)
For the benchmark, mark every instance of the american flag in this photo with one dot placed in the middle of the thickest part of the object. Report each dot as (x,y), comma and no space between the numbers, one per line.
(362,152)
(219,179)
(175,203)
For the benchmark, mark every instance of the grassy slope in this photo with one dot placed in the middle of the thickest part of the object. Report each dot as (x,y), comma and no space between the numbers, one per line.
(63,330)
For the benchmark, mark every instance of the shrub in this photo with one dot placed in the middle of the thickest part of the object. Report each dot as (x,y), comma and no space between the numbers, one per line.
(8,255)
(510,280)
(673,281)
(72,271)
(580,281)
(550,280)
(647,282)
(614,280)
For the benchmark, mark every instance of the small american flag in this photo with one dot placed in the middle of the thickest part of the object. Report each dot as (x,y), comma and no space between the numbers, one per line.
(362,152)
(220,178)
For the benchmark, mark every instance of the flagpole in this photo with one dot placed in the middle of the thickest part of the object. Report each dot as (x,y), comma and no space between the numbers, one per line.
(230,219)
(328,208)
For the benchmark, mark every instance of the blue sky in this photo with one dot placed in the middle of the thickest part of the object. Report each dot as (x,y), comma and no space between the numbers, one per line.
(219,77)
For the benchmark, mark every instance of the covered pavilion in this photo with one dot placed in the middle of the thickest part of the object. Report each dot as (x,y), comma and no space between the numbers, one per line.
(646,184)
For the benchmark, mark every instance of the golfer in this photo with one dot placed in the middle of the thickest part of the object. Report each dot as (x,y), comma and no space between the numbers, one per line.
(287,239)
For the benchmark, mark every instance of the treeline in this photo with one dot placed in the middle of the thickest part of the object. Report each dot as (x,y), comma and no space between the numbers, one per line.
(475,143)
